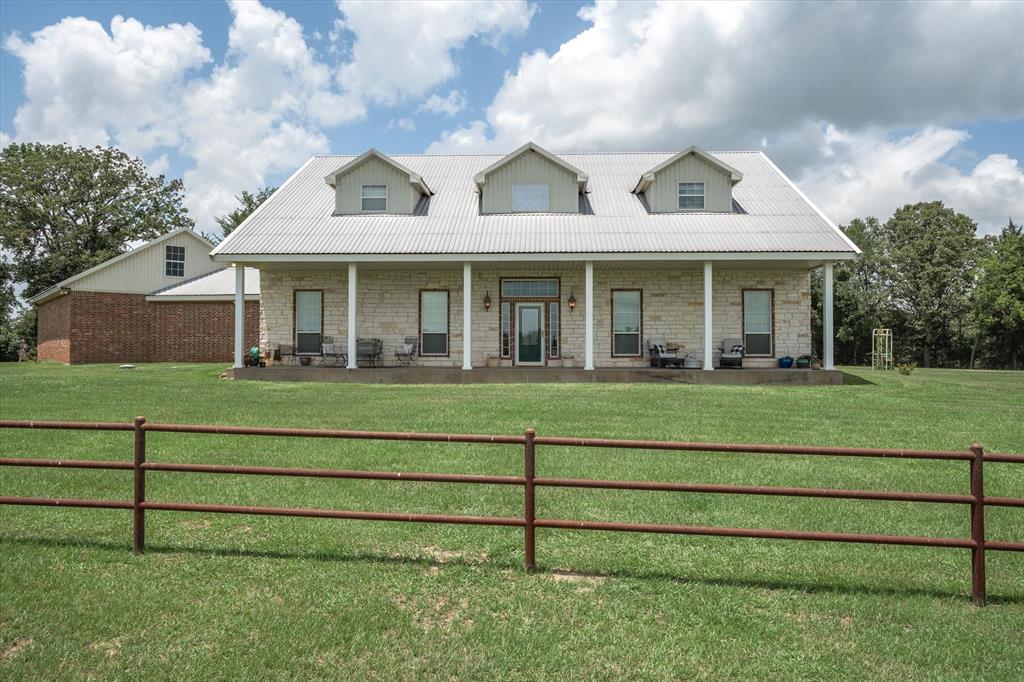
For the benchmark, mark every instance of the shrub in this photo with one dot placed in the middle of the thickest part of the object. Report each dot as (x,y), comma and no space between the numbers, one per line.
(906,368)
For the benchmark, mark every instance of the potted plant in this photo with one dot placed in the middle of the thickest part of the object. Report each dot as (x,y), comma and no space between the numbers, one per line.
(493,361)
(253,359)
(803,362)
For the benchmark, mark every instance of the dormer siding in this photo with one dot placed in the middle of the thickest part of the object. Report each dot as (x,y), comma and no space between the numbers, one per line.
(531,167)
(663,193)
(402,196)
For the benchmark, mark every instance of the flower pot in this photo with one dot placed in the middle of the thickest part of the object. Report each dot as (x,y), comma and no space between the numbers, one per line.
(305,360)
(785,362)
(803,363)
(493,362)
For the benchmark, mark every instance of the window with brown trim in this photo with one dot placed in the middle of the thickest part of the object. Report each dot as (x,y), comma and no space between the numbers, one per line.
(309,320)
(434,321)
(759,322)
(506,329)
(627,322)
(553,331)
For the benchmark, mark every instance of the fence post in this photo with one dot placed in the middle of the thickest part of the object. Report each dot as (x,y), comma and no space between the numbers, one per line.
(529,507)
(138,513)
(978,526)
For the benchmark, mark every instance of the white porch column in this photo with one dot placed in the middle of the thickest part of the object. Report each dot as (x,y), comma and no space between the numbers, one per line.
(589,307)
(351,326)
(467,298)
(826,318)
(709,356)
(239,315)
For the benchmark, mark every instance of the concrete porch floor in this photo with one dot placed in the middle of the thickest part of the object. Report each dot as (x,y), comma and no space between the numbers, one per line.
(561,375)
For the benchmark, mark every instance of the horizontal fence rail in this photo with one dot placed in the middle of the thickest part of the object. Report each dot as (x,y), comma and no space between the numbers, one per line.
(529,481)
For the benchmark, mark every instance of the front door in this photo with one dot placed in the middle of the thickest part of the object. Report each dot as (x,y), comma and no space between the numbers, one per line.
(530,333)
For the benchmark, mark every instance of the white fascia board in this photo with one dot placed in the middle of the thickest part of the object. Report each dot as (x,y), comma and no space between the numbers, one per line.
(414,177)
(199,299)
(581,177)
(814,206)
(528,257)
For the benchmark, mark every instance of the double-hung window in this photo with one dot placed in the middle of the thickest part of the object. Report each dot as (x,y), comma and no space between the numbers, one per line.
(174,261)
(374,198)
(626,321)
(433,323)
(531,196)
(691,196)
(308,321)
(757,322)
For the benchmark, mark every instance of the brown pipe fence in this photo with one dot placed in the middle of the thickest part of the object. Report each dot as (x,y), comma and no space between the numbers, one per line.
(975,456)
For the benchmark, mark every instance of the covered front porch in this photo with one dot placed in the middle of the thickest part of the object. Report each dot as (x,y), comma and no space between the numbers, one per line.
(555,375)
(506,319)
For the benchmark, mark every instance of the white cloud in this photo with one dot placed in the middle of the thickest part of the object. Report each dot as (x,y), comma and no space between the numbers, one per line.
(406,124)
(260,111)
(665,75)
(449,105)
(86,86)
(871,174)
(403,51)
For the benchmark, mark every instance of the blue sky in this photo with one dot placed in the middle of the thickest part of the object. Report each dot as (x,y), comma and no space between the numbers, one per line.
(865,107)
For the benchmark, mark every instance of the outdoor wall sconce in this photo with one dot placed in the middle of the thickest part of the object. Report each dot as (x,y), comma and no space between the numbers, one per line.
(572,301)
(487,300)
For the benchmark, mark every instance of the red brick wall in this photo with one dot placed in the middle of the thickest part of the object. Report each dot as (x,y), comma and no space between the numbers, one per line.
(108,327)
(54,320)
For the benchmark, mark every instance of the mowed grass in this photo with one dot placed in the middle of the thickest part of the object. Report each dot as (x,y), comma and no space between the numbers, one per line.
(226,596)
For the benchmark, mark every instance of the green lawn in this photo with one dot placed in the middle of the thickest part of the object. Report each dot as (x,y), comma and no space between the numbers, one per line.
(219,596)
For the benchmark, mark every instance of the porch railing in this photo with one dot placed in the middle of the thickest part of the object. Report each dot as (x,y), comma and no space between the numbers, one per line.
(975,499)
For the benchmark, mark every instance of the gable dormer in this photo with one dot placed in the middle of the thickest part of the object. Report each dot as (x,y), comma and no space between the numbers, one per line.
(530,180)
(373,183)
(690,181)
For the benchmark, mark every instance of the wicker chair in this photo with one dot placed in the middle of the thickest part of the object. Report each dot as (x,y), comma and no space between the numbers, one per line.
(732,353)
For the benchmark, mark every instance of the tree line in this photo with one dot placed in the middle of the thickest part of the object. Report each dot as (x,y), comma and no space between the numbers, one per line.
(952,299)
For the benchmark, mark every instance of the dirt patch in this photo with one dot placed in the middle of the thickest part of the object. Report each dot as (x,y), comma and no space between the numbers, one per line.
(439,614)
(564,576)
(110,647)
(14,649)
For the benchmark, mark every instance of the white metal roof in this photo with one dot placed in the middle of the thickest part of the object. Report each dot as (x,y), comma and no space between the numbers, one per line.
(773,216)
(219,284)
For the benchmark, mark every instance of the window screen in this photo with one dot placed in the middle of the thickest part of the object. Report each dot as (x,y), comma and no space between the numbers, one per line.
(174,261)
(530,196)
(375,197)
(308,319)
(433,323)
(691,196)
(626,323)
(757,322)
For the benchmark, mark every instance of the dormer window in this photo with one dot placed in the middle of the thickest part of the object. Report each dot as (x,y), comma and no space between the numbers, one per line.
(374,198)
(691,196)
(174,261)
(531,196)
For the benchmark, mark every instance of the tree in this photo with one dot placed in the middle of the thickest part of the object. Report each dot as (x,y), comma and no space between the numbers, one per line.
(248,202)
(64,209)
(858,295)
(999,298)
(930,256)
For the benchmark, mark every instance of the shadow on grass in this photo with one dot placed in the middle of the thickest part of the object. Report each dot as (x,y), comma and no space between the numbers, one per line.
(793,585)
(855,380)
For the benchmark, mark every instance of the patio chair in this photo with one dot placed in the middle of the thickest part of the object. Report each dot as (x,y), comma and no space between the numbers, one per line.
(732,353)
(330,353)
(660,356)
(370,350)
(284,353)
(406,353)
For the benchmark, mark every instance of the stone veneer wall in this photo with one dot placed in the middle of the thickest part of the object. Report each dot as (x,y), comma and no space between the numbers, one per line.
(388,307)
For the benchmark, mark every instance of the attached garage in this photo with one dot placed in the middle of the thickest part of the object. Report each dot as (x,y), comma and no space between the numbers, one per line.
(164,301)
